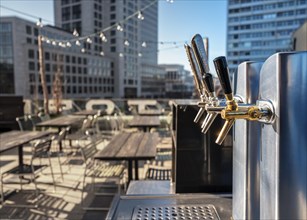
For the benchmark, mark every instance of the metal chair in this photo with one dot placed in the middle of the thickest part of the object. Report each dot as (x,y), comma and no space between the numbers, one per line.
(44,117)
(59,139)
(97,169)
(24,123)
(154,173)
(40,150)
(34,120)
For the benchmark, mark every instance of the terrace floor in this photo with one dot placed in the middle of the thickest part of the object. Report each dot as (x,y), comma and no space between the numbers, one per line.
(65,201)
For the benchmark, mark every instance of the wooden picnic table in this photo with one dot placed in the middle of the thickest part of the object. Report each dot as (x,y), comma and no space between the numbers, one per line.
(60,122)
(145,122)
(130,147)
(17,139)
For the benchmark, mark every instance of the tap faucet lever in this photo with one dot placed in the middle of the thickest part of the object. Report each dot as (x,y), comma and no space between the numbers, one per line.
(198,82)
(222,71)
(202,61)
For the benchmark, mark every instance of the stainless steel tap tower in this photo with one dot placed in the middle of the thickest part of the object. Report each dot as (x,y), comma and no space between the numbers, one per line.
(270,143)
(246,148)
(283,178)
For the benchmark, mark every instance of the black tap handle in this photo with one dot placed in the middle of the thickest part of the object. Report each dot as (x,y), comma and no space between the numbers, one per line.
(209,82)
(222,71)
(197,44)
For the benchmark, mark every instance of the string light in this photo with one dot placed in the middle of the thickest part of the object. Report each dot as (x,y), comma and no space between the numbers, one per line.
(75,33)
(103,37)
(101,53)
(126,43)
(140,15)
(119,27)
(140,55)
(89,40)
(39,23)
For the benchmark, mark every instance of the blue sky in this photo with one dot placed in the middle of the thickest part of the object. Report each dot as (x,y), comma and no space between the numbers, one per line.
(178,21)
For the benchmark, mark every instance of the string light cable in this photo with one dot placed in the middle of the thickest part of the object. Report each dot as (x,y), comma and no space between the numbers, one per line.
(88,38)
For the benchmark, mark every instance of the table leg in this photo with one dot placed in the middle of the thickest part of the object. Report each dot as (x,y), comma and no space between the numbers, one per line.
(20,156)
(60,143)
(129,170)
(136,169)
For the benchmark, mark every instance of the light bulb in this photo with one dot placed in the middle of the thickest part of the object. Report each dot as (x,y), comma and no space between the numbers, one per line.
(78,43)
(140,15)
(102,53)
(88,40)
(144,44)
(119,27)
(75,33)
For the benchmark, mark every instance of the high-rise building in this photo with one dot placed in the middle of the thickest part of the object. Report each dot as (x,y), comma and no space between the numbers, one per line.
(257,29)
(130,42)
(83,75)
(178,81)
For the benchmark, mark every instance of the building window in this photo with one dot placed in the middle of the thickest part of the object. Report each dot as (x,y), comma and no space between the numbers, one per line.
(76,12)
(65,2)
(113,16)
(31,53)
(47,67)
(47,56)
(35,32)
(31,66)
(28,29)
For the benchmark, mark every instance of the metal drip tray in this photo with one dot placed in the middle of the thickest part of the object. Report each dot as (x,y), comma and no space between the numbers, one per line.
(175,212)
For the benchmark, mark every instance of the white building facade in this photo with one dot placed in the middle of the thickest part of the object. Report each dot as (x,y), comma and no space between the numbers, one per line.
(257,29)
(82,75)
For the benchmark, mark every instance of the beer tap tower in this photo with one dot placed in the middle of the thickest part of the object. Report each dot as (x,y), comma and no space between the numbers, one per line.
(246,147)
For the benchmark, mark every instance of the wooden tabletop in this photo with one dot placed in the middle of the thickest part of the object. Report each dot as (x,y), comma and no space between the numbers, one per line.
(143,121)
(12,139)
(60,122)
(123,146)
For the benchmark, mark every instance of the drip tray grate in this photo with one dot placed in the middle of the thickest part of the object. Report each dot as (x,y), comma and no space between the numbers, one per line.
(175,212)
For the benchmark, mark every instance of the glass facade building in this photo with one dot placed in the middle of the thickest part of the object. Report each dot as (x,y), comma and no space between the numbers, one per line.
(6,59)
(125,46)
(257,29)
